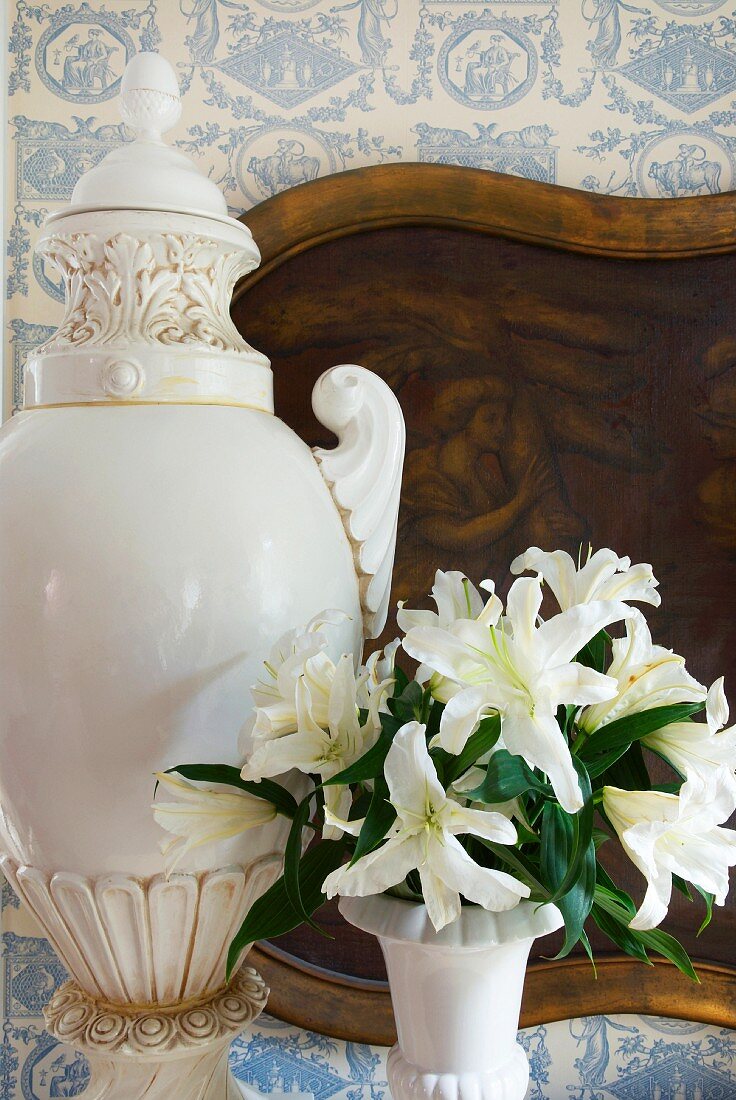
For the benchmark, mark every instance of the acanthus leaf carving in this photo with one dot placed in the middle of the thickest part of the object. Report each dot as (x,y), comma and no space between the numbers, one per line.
(166,289)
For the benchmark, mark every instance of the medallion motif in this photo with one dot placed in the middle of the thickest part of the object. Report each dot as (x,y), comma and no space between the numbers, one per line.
(685,163)
(276,158)
(82,53)
(487,64)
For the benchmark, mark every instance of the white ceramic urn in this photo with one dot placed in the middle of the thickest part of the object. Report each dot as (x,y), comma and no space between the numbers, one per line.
(160,528)
(456,995)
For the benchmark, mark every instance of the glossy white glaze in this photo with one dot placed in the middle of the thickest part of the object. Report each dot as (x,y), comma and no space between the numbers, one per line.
(159,530)
(456,995)
(151,557)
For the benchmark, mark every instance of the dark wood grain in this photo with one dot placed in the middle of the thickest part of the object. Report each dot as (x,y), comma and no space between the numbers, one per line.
(566,364)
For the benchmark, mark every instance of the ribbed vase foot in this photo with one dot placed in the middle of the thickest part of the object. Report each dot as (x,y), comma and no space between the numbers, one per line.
(508,1081)
(158,1053)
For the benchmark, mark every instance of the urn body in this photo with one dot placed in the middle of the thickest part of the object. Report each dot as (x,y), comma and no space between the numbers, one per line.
(151,556)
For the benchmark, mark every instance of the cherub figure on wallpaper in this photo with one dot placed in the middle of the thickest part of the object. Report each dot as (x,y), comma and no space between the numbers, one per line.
(373,16)
(607,14)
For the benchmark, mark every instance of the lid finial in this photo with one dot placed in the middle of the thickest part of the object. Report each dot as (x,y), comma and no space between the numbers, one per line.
(149,102)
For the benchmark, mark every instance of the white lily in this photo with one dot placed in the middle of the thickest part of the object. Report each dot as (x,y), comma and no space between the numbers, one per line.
(698,749)
(202,815)
(666,834)
(456,598)
(299,653)
(605,576)
(313,749)
(523,671)
(647,676)
(375,680)
(424,838)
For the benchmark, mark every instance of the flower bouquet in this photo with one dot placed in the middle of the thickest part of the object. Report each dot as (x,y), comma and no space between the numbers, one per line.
(469,802)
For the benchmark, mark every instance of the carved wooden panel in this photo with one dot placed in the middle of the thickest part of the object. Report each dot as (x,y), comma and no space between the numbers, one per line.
(552,397)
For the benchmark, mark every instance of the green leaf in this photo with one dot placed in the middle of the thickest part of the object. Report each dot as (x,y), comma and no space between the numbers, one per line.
(627,769)
(436,711)
(621,732)
(401,681)
(559,839)
(370,764)
(408,706)
(527,871)
(274,793)
(619,934)
(589,952)
(670,948)
(709,899)
(593,655)
(582,836)
(451,767)
(273,914)
(654,940)
(506,777)
(292,858)
(379,819)
(682,886)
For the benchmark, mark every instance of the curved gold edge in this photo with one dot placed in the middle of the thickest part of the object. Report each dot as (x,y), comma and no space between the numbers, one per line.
(556,990)
(135,404)
(449,196)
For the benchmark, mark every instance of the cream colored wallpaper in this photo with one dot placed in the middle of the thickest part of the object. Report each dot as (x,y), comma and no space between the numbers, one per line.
(627,98)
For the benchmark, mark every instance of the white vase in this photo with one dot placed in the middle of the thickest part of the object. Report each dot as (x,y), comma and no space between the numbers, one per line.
(456,995)
(160,528)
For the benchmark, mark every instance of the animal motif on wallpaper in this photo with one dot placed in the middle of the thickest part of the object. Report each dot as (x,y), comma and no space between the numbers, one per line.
(285,168)
(690,173)
(526,152)
(528,136)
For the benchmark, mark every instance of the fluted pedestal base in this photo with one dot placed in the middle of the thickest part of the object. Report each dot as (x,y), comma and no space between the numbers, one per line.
(154,1052)
(507,1081)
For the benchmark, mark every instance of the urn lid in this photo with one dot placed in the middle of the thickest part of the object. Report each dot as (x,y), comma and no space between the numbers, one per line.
(147,173)
(149,257)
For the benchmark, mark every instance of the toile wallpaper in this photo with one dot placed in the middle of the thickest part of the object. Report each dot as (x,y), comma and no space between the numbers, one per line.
(628,98)
(624,97)
(592,1058)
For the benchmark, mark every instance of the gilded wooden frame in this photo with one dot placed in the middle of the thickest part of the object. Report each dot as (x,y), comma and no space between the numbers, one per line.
(475,201)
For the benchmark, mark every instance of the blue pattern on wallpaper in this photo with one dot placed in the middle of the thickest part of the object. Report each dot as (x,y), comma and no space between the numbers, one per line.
(615,96)
(592,1058)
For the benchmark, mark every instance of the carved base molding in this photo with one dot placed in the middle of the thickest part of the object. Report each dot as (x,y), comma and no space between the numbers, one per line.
(507,1082)
(155,1052)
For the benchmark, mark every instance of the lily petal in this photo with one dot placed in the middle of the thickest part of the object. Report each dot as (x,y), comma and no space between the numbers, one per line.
(542,744)
(376,872)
